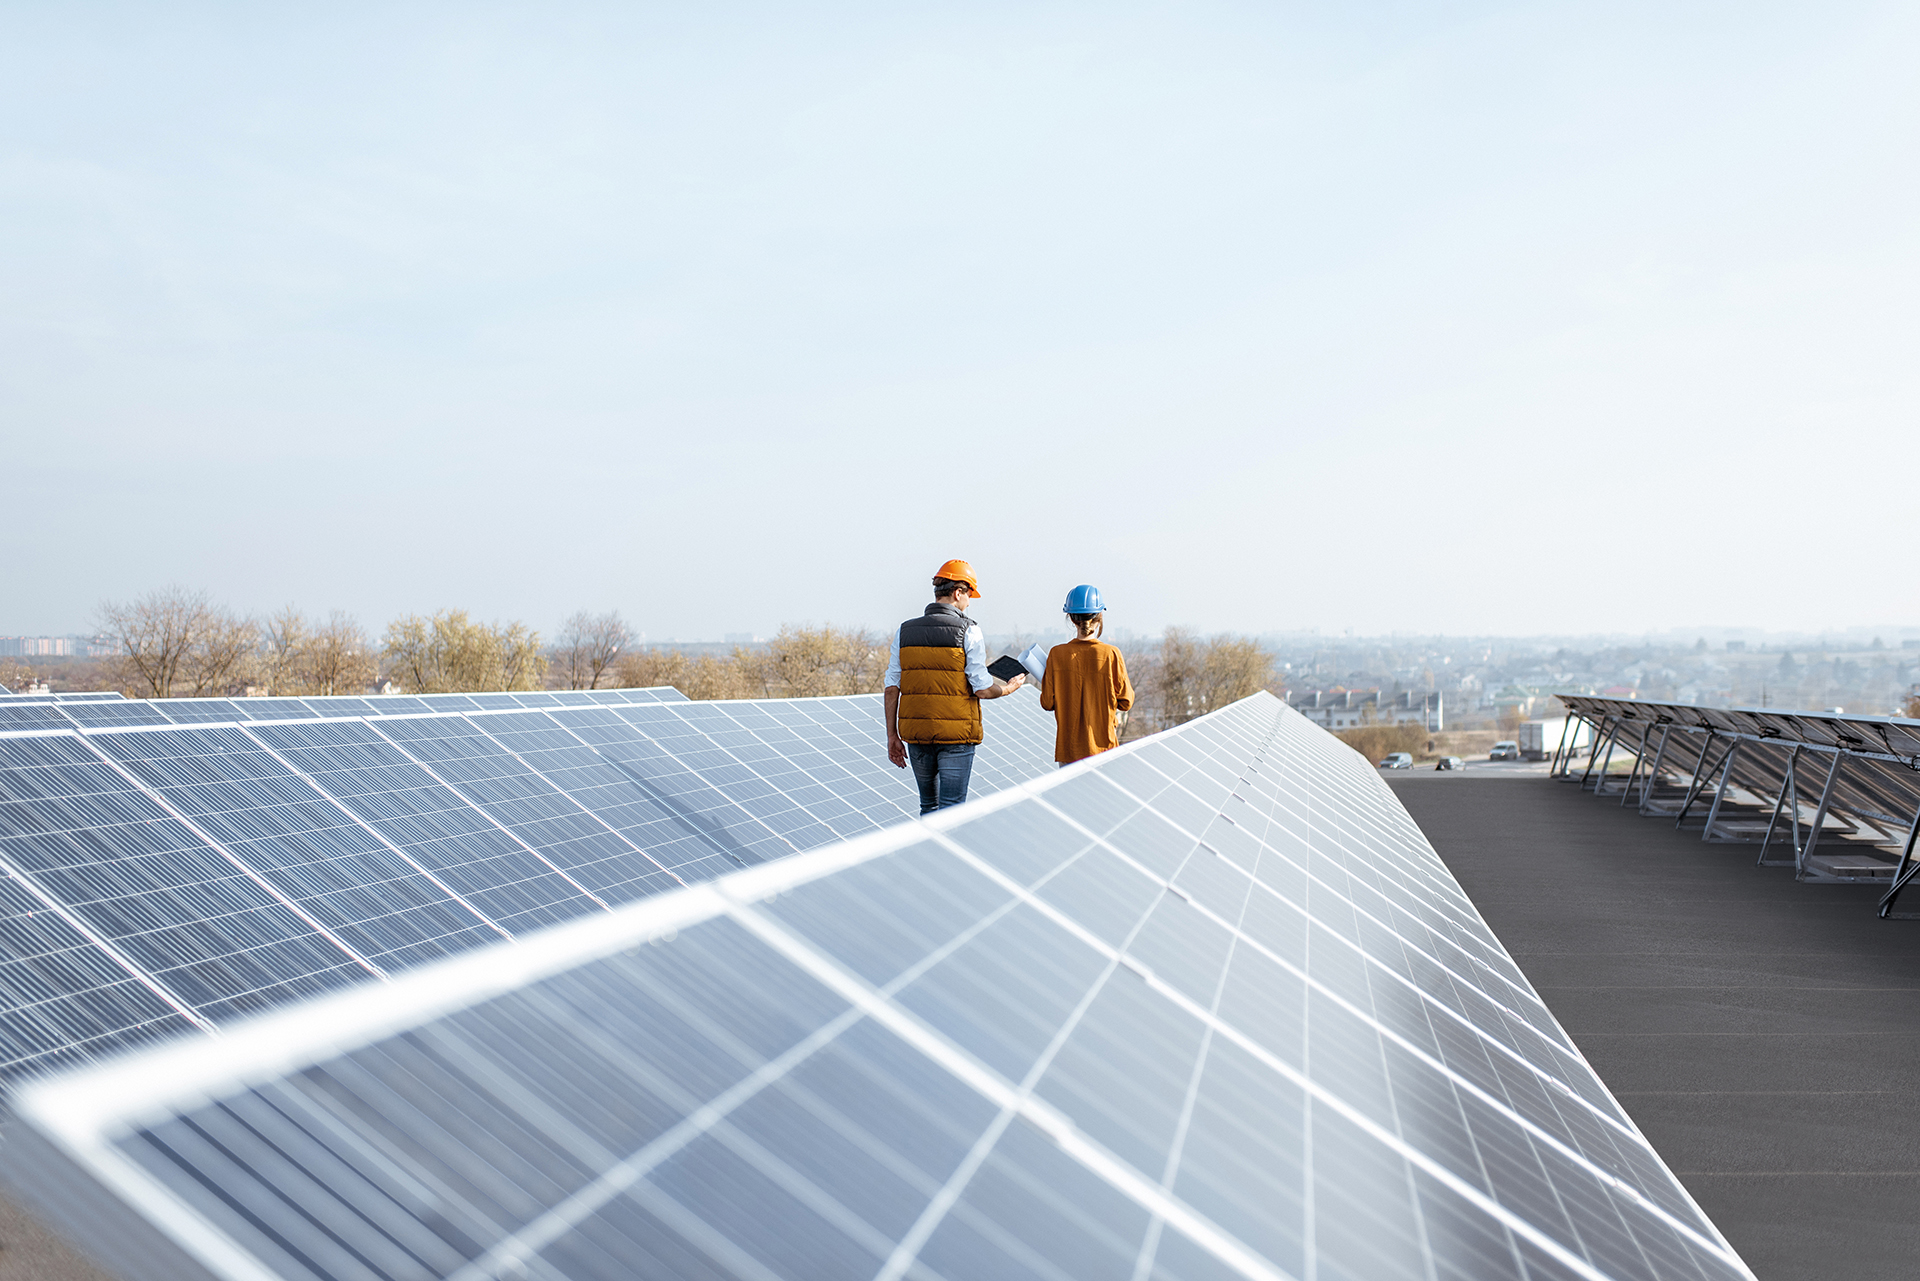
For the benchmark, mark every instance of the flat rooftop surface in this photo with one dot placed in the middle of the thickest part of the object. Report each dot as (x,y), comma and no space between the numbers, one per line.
(1764,1034)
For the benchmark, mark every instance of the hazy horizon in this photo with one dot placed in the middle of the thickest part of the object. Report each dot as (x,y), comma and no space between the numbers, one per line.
(1517,319)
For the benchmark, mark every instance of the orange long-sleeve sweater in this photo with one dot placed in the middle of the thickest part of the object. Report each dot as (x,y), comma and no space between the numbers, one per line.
(1084,685)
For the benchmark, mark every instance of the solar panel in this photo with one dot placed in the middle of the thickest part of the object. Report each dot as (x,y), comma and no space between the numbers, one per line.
(104,714)
(578,845)
(149,890)
(350,884)
(503,880)
(31,716)
(361,846)
(1208,1006)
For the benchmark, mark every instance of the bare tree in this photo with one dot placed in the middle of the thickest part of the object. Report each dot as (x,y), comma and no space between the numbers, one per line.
(14,674)
(283,643)
(801,662)
(588,647)
(297,656)
(704,676)
(814,662)
(176,642)
(449,652)
(1186,676)
(339,658)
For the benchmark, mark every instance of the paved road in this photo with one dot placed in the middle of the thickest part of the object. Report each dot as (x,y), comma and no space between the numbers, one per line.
(1764,1034)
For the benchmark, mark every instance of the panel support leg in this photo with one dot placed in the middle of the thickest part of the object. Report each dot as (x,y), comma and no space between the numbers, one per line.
(1639,759)
(1701,772)
(1902,874)
(1613,737)
(1786,787)
(1646,788)
(1720,792)
(1819,819)
(1600,731)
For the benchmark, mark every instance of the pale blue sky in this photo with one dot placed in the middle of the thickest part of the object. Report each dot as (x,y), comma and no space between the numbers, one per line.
(1260,317)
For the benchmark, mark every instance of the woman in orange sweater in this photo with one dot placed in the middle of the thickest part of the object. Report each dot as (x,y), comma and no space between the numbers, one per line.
(1084,683)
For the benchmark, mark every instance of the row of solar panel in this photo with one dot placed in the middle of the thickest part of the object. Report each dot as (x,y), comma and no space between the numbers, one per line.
(65,696)
(104,712)
(1207,1006)
(154,879)
(1835,796)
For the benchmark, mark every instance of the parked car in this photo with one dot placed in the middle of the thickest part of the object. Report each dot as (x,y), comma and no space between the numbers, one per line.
(1396,760)
(1505,750)
(1449,762)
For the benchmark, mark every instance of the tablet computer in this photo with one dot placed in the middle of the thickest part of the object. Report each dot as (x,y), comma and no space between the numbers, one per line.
(1006,667)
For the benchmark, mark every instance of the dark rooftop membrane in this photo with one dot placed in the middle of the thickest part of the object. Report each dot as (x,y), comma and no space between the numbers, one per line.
(1763,1033)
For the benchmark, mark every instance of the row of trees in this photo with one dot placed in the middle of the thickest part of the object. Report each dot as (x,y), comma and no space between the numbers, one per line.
(176,643)
(800,662)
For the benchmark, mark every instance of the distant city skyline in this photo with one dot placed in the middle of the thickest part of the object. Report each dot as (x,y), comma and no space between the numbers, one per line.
(1503,319)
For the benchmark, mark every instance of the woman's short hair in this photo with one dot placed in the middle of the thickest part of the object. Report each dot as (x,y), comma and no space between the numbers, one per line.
(947,586)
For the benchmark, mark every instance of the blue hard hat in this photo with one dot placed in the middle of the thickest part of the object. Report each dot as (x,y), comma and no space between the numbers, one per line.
(1084,599)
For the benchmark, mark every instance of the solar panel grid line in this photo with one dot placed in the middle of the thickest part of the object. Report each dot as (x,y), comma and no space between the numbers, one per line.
(1004,1094)
(872,794)
(18,876)
(433,878)
(478,721)
(172,906)
(241,865)
(1620,1124)
(1149,1248)
(1508,984)
(704,1114)
(481,810)
(1561,1088)
(1438,963)
(351,760)
(297,834)
(742,763)
(1538,1133)
(842,790)
(689,762)
(904,1256)
(647,788)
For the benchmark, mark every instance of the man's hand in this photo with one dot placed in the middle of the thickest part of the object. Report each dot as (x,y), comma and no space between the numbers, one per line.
(897,751)
(1000,688)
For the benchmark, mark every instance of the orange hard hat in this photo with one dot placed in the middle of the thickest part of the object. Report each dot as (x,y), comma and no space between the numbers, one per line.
(960,572)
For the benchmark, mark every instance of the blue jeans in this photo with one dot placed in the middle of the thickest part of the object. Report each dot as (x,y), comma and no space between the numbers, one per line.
(942,771)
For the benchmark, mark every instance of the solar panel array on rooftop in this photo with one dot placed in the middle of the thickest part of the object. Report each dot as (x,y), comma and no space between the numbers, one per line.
(1206,1006)
(176,864)
(1835,797)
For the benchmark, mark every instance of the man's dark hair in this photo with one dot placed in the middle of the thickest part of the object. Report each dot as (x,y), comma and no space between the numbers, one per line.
(947,586)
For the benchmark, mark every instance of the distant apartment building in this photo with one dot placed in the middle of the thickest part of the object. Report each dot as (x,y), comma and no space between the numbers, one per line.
(52,647)
(1334,709)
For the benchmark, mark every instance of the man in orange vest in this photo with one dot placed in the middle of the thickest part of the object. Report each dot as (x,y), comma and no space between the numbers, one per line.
(934,686)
